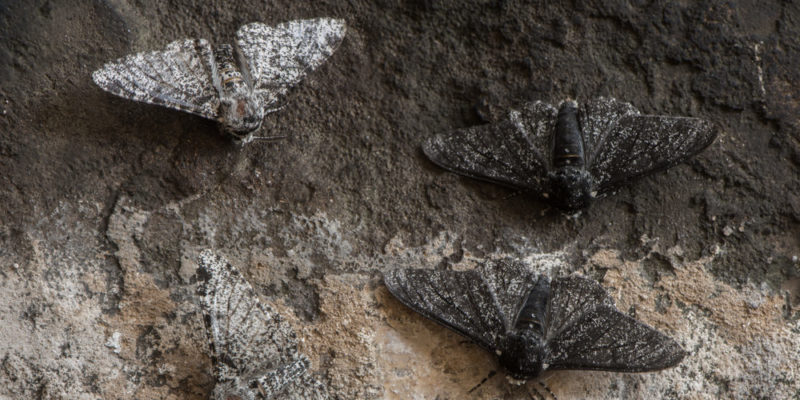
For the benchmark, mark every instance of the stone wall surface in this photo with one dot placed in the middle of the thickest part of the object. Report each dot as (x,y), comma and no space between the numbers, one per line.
(105,203)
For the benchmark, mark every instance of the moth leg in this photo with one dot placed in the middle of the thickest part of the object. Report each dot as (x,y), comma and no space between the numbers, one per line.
(547,389)
(269,138)
(539,395)
(514,194)
(491,374)
(534,394)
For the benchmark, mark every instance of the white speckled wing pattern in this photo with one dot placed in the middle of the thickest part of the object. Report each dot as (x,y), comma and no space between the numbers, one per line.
(459,300)
(570,298)
(180,76)
(597,117)
(189,76)
(279,57)
(510,280)
(513,152)
(629,146)
(584,330)
(254,349)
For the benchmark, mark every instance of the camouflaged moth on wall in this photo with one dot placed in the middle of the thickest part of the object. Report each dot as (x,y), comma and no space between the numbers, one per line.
(254,350)
(234,85)
(532,323)
(572,154)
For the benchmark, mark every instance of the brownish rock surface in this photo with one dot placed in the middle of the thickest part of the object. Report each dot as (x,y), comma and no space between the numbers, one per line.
(105,203)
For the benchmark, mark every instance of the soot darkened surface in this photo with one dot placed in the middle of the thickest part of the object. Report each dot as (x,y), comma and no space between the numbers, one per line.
(106,202)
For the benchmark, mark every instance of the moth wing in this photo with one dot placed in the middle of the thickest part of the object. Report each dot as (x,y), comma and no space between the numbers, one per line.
(570,298)
(584,330)
(459,300)
(181,76)
(597,118)
(636,145)
(290,381)
(511,280)
(247,336)
(278,57)
(514,152)
(306,388)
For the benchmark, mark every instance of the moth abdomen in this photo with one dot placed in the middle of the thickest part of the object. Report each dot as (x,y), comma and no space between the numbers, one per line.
(532,314)
(229,72)
(567,140)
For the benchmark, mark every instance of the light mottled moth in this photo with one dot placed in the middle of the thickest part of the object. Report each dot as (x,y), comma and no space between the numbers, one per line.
(254,350)
(234,85)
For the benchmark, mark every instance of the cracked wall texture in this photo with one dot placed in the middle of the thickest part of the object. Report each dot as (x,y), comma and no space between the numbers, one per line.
(106,203)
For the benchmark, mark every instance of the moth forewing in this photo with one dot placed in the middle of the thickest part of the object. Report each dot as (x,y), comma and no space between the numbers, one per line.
(254,349)
(237,90)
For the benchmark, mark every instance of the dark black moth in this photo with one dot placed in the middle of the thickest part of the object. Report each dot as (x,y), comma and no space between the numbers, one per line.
(572,154)
(254,350)
(532,323)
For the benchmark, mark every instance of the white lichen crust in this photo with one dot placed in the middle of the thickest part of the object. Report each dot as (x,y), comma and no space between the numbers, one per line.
(234,85)
(254,349)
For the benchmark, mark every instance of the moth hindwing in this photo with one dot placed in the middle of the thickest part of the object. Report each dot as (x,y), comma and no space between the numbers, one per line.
(254,350)
(573,154)
(234,85)
(533,323)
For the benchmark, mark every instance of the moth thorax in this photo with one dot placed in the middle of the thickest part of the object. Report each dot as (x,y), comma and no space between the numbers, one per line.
(240,115)
(522,355)
(571,188)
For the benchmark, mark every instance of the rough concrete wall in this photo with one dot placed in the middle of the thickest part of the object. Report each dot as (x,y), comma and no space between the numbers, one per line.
(105,203)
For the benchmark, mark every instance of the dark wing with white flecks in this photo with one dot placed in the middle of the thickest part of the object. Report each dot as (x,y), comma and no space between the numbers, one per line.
(597,117)
(249,339)
(460,300)
(515,152)
(182,76)
(624,145)
(511,282)
(275,58)
(584,330)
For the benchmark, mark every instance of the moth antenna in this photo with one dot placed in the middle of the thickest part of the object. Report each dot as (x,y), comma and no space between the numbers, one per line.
(269,138)
(532,392)
(512,195)
(491,374)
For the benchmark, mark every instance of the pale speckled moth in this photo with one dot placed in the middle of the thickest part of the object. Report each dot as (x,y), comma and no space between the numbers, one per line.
(572,154)
(533,323)
(254,350)
(234,85)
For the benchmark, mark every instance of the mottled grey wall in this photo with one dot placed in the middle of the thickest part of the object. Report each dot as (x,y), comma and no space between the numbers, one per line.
(105,203)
